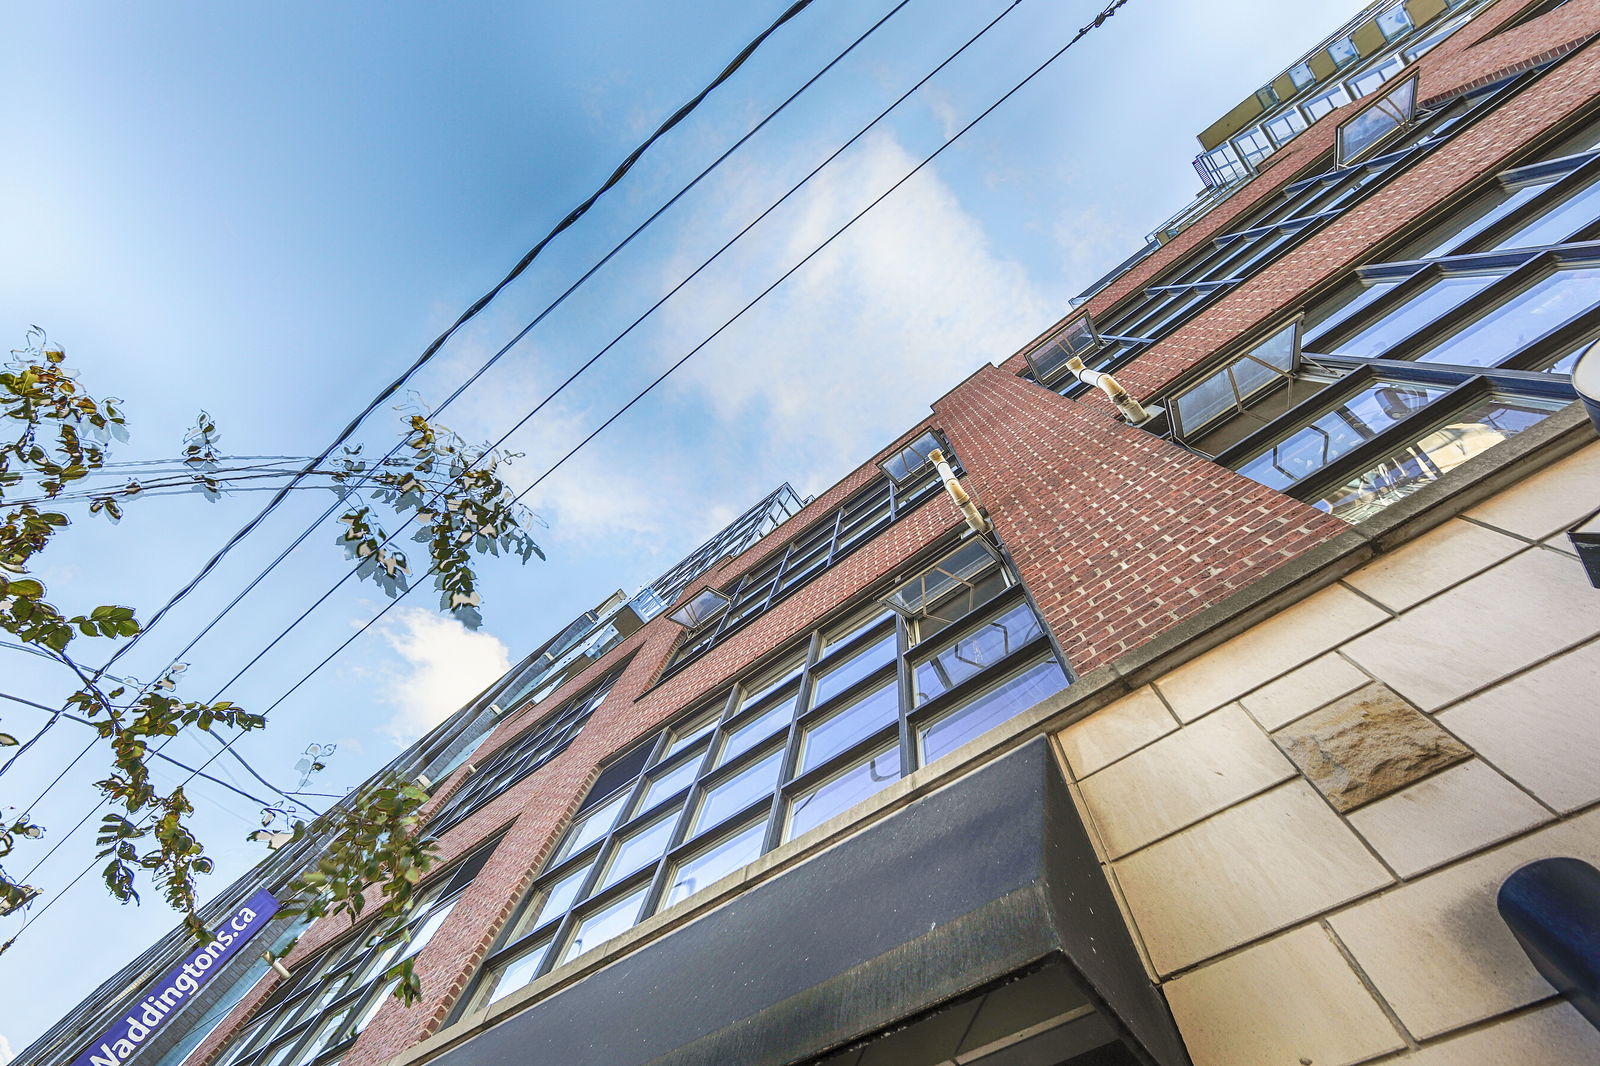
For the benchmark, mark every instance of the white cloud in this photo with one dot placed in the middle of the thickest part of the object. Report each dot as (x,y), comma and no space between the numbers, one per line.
(6,1054)
(855,346)
(446,664)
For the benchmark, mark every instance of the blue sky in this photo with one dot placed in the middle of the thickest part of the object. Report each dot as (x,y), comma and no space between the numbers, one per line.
(267,210)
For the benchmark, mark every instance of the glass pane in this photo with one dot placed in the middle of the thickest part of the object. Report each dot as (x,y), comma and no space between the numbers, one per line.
(1205,401)
(1341,305)
(1428,459)
(961,603)
(1525,317)
(741,738)
(718,861)
(558,898)
(667,784)
(691,731)
(596,824)
(1561,221)
(1466,225)
(859,622)
(639,848)
(516,974)
(421,934)
(974,652)
(912,457)
(772,678)
(959,566)
(851,723)
(738,792)
(1414,314)
(603,924)
(1332,434)
(955,727)
(1322,103)
(842,791)
(1285,127)
(853,669)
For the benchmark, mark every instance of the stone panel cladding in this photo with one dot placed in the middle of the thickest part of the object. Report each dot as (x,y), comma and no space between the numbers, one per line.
(1119,535)
(1464,60)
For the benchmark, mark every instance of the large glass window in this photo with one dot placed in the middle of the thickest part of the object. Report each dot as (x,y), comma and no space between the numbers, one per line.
(1268,231)
(537,745)
(950,651)
(823,543)
(312,1018)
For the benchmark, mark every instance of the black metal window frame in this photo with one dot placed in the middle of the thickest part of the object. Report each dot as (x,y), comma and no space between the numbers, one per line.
(691,753)
(531,749)
(313,1018)
(1306,206)
(820,546)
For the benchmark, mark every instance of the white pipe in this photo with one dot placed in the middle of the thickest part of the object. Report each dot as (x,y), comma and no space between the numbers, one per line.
(1131,409)
(975,520)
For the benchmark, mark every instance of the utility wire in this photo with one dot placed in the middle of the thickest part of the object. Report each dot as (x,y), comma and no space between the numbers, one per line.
(466,316)
(428,354)
(682,283)
(1106,13)
(167,758)
(592,270)
(1099,20)
(1082,32)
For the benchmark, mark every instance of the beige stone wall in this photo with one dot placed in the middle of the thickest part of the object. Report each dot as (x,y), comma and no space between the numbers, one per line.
(1308,823)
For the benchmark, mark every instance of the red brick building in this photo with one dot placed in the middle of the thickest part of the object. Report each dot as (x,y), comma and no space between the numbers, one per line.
(1214,746)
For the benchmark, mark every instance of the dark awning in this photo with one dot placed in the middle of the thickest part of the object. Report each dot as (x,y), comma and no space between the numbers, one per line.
(984,878)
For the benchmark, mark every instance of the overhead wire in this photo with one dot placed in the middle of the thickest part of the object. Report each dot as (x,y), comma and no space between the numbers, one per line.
(394,386)
(1110,10)
(589,273)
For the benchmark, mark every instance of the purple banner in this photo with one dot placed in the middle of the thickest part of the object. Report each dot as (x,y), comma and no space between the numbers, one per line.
(123,1039)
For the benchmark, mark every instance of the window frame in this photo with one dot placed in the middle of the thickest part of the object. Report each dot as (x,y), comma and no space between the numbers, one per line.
(823,649)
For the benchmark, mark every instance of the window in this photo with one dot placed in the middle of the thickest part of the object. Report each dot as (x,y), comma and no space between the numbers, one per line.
(910,459)
(1189,286)
(871,510)
(520,757)
(1379,121)
(311,1018)
(1412,366)
(865,700)
(702,608)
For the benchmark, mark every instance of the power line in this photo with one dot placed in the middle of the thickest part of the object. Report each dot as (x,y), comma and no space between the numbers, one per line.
(659,303)
(592,270)
(167,758)
(466,316)
(1106,13)
(311,465)
(1099,20)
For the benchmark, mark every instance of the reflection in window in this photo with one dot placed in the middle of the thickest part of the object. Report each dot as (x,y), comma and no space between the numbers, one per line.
(513,975)
(750,732)
(1432,456)
(1354,422)
(975,652)
(878,654)
(715,862)
(1550,302)
(855,721)
(1561,222)
(601,925)
(842,791)
(956,727)
(1415,313)
(735,793)
(639,847)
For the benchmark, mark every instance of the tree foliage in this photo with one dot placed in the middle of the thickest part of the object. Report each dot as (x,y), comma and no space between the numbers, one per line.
(448,489)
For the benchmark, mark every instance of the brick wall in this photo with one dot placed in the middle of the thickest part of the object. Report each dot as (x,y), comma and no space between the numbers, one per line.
(1118,535)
